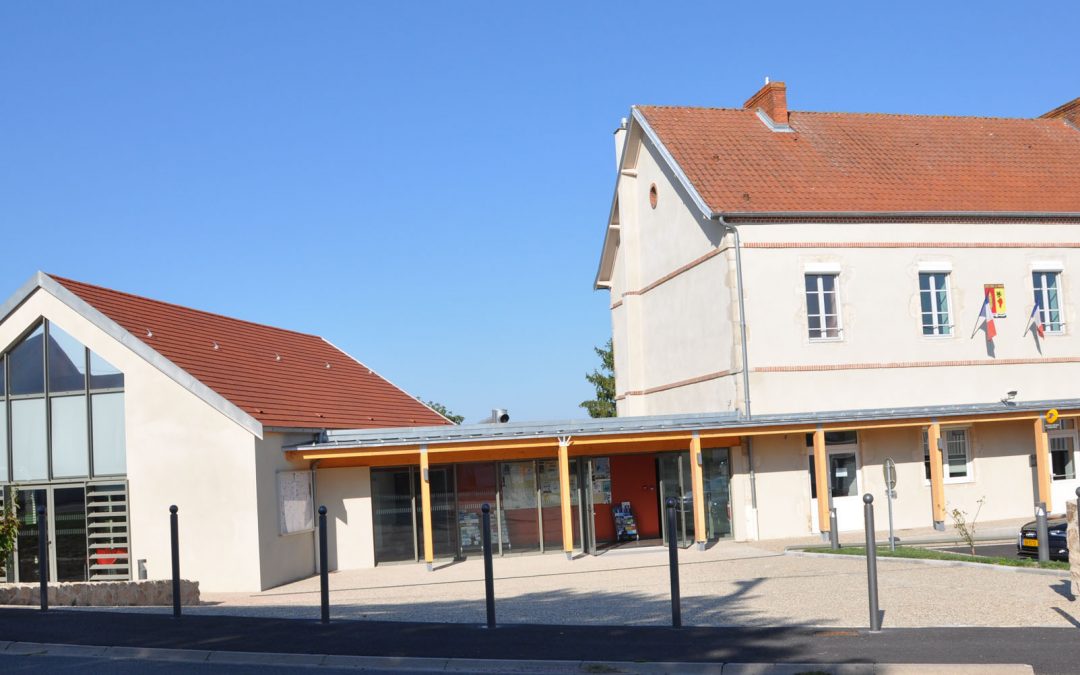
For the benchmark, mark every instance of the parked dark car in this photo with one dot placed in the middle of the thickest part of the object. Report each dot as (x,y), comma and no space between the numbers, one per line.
(1027,542)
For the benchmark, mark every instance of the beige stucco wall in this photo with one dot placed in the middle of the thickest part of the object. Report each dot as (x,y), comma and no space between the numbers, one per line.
(1000,472)
(346,493)
(682,328)
(180,451)
(283,557)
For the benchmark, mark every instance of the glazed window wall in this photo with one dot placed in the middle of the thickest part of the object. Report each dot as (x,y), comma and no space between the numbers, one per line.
(526,511)
(62,446)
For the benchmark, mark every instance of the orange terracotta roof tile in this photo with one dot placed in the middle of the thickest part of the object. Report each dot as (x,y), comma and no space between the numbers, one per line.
(280,377)
(850,162)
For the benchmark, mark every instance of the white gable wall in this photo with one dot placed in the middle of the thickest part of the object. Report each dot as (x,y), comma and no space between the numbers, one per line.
(181,451)
(674,329)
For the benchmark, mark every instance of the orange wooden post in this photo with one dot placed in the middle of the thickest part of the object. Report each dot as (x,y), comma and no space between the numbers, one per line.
(1042,464)
(698,487)
(564,497)
(821,479)
(937,474)
(425,499)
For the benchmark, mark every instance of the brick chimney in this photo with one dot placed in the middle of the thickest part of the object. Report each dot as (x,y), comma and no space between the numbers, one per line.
(772,100)
(1069,112)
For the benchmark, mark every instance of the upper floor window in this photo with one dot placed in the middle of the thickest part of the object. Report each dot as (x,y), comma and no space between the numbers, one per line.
(935,303)
(1048,298)
(61,410)
(822,306)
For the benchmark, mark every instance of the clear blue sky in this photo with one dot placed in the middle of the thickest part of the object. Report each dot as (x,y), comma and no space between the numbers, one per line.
(426,185)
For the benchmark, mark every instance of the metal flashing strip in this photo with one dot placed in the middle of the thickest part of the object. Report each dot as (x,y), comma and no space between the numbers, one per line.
(363,438)
(773,125)
(145,351)
(695,196)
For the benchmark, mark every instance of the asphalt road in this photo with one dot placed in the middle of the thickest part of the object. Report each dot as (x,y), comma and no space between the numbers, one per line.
(1049,650)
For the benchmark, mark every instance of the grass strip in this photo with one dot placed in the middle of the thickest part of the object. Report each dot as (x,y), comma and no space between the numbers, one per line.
(919,553)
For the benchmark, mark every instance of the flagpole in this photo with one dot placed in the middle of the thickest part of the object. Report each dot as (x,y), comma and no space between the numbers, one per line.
(1028,327)
(976,329)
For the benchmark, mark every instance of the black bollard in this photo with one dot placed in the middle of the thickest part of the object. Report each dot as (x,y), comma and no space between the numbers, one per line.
(174,528)
(834,531)
(489,573)
(324,567)
(43,556)
(673,564)
(1042,532)
(871,562)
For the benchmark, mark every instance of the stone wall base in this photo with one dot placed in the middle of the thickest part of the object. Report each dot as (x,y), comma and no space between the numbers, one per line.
(101,593)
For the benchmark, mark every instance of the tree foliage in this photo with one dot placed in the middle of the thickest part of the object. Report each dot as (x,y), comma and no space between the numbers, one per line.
(445,412)
(603,379)
(9,526)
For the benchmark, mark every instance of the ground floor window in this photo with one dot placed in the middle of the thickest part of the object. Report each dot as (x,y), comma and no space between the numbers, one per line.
(1063,451)
(86,525)
(955,455)
(526,502)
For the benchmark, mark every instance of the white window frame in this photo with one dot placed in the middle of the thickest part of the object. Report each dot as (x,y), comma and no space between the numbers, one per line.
(1044,309)
(820,273)
(968,451)
(936,324)
(1068,430)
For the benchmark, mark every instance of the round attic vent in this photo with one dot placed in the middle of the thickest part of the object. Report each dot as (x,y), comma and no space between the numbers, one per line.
(652,195)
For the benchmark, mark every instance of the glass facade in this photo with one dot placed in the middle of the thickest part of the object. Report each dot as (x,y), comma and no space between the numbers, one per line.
(526,504)
(61,433)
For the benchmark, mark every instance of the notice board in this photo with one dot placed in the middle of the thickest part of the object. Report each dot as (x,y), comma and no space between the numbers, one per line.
(296,503)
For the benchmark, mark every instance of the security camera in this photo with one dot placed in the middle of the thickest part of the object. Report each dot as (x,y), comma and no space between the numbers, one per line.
(1007,399)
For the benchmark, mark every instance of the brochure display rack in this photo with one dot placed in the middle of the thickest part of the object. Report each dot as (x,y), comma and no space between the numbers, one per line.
(625,524)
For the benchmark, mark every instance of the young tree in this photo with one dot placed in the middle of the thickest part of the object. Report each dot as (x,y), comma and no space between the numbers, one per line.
(445,412)
(603,379)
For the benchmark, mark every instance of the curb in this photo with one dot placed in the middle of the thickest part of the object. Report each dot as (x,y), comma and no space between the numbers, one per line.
(1062,574)
(393,664)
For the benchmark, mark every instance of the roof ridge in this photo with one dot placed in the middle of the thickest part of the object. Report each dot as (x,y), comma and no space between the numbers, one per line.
(919,115)
(852,113)
(65,280)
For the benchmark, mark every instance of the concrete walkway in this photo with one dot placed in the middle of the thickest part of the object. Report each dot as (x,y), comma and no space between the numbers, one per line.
(729,584)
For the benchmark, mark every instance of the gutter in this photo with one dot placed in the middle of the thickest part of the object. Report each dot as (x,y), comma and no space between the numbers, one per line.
(745,365)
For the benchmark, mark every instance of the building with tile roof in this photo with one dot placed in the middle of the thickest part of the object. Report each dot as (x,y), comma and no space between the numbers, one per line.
(117,406)
(798,301)
(763,260)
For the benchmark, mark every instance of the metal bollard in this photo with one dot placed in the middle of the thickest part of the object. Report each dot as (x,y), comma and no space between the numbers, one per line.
(871,562)
(324,567)
(673,564)
(174,528)
(834,531)
(489,573)
(43,556)
(1042,532)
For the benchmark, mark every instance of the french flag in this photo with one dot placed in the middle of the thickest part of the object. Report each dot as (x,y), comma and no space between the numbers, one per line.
(987,314)
(1035,320)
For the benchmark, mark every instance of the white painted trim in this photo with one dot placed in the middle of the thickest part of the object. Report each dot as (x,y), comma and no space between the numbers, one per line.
(1047,266)
(821,268)
(935,266)
(114,330)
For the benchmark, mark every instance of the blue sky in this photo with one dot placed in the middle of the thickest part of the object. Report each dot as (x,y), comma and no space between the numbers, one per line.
(426,184)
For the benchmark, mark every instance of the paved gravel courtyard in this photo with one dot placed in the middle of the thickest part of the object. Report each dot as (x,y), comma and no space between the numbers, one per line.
(730,584)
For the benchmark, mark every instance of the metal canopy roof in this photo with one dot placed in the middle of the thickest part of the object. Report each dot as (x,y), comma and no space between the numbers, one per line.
(365,438)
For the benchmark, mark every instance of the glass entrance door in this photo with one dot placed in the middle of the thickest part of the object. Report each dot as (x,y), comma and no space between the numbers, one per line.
(716,475)
(674,475)
(27,543)
(394,504)
(65,532)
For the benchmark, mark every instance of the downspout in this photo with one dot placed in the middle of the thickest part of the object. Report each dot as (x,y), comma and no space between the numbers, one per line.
(745,366)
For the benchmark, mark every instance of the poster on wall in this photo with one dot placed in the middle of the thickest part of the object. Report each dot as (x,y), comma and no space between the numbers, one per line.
(295,501)
(601,481)
(518,486)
